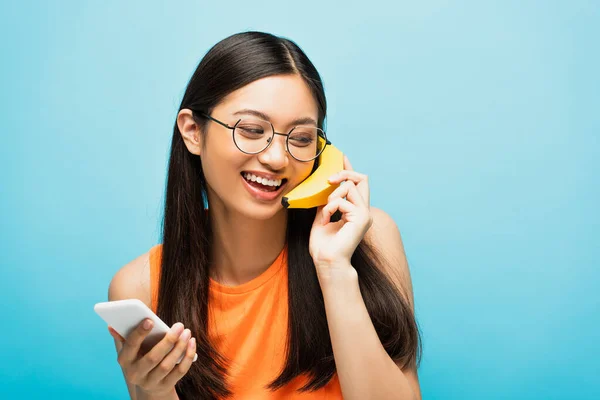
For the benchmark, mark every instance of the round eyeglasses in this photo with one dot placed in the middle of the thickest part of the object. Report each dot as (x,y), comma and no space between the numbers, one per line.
(253,135)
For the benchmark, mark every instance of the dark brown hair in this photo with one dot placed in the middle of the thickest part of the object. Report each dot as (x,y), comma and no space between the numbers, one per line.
(184,281)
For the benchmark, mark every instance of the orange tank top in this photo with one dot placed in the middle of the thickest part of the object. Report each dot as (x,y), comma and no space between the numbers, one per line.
(248,325)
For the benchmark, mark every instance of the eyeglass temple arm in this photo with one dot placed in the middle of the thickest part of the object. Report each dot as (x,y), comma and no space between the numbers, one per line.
(217,121)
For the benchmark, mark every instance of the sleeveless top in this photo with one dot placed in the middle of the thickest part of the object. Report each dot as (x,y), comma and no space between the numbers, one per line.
(248,325)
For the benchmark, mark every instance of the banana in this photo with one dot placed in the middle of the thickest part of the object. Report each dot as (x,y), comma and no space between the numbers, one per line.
(315,189)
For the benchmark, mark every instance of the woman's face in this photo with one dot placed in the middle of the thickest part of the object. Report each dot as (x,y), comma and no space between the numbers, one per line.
(282,99)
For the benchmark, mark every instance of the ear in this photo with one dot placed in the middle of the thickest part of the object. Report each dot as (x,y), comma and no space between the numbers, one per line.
(190,131)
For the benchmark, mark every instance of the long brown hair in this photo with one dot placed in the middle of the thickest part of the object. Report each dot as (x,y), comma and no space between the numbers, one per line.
(186,253)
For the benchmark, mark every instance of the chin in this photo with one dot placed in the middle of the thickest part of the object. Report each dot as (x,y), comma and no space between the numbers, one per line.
(262,212)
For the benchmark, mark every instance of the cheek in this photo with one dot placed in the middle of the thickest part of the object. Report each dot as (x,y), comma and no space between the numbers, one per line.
(304,171)
(220,164)
(212,166)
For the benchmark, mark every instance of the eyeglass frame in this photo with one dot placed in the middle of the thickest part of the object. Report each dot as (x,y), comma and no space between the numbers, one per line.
(287,135)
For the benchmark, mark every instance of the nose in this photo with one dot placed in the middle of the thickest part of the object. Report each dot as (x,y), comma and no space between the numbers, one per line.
(275,156)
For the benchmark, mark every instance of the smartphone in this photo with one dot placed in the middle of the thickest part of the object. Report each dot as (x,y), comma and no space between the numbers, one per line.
(126,315)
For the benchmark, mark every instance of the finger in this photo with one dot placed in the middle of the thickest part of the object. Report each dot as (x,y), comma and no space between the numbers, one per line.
(360,180)
(337,204)
(133,341)
(347,164)
(169,362)
(115,334)
(161,349)
(180,370)
(349,190)
(354,196)
(319,216)
(341,191)
(347,175)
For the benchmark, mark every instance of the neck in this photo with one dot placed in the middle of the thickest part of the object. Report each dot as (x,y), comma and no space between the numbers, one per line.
(243,248)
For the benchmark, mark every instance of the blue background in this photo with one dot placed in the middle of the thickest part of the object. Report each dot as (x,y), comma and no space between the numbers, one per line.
(477,122)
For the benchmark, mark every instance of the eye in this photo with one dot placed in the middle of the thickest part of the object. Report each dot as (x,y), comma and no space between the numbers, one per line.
(250,132)
(301,140)
(252,129)
(303,136)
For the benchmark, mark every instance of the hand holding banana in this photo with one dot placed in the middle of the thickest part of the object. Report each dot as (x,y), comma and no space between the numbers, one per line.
(332,244)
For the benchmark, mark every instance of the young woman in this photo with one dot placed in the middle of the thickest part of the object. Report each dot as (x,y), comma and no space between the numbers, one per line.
(277,303)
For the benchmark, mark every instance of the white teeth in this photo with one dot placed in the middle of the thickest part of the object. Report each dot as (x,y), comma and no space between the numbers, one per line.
(263,181)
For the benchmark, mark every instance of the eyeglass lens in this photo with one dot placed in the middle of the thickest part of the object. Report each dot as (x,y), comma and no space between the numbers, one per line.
(254,135)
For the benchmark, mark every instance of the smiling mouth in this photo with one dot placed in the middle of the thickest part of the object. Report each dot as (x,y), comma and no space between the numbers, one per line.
(263,184)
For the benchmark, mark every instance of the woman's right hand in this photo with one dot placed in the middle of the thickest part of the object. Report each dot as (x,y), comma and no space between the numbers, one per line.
(156,372)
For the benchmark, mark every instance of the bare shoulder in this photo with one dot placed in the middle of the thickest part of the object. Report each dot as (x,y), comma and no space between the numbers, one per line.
(384,235)
(132,281)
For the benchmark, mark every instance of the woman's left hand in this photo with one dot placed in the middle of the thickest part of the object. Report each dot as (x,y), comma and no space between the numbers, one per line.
(333,243)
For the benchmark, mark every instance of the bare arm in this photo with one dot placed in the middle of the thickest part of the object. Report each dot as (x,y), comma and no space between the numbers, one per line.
(365,370)
(132,281)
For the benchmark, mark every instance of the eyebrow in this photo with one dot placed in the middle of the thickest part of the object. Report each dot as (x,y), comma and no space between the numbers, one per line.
(260,114)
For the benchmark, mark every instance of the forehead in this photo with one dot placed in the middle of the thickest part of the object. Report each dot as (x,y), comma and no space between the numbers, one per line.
(284,98)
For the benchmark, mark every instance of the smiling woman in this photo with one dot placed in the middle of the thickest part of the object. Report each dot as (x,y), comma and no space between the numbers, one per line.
(279,304)
(255,149)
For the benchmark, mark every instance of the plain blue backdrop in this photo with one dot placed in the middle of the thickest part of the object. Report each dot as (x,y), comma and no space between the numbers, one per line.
(477,123)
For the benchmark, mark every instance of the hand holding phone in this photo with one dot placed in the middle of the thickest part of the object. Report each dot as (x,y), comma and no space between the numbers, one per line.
(153,356)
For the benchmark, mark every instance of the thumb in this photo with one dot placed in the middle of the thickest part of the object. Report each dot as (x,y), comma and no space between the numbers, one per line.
(115,335)
(319,216)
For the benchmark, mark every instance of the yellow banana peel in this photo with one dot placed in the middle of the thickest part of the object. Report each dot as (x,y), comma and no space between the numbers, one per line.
(315,189)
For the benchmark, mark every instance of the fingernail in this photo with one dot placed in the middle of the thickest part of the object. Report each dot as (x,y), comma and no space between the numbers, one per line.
(147,324)
(186,334)
(177,328)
